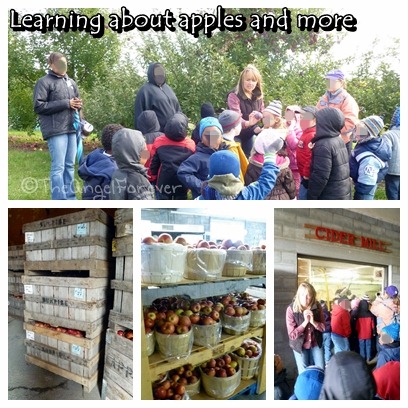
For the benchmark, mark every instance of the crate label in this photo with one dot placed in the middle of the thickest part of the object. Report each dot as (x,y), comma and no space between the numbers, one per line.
(82,229)
(79,293)
(76,350)
(28,289)
(29,335)
(29,237)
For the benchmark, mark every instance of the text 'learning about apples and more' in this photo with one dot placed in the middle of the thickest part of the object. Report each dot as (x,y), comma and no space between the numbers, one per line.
(195,24)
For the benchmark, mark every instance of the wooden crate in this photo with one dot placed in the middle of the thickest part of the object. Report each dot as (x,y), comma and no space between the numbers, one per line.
(15,284)
(77,236)
(123,285)
(85,378)
(73,347)
(123,222)
(118,368)
(122,246)
(16,257)
(77,299)
(16,307)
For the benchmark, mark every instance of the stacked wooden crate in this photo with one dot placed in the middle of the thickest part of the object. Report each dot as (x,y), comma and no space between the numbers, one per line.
(118,370)
(16,259)
(67,293)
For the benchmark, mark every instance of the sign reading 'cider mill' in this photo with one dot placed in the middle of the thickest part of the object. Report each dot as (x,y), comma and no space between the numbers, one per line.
(322,233)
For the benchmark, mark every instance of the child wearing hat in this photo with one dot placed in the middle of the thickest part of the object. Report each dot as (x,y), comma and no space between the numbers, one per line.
(369,159)
(389,341)
(224,182)
(386,307)
(308,384)
(231,125)
(336,96)
(285,188)
(206,110)
(272,116)
(194,170)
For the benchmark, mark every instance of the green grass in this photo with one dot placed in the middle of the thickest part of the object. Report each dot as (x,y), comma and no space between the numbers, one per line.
(29,172)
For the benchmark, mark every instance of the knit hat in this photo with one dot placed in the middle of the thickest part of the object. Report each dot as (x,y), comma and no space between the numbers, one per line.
(223,162)
(335,74)
(391,291)
(309,383)
(176,127)
(207,122)
(365,297)
(275,107)
(309,109)
(387,378)
(229,119)
(374,125)
(207,110)
(393,330)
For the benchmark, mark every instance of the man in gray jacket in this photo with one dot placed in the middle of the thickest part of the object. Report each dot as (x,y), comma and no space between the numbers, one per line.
(56,97)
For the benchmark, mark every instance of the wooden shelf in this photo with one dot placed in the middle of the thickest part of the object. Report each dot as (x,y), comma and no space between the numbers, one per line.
(153,366)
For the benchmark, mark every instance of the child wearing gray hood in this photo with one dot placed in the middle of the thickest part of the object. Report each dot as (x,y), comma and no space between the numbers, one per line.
(129,181)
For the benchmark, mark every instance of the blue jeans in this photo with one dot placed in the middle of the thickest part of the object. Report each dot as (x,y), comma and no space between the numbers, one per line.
(302,192)
(63,150)
(365,349)
(340,343)
(392,187)
(327,346)
(308,357)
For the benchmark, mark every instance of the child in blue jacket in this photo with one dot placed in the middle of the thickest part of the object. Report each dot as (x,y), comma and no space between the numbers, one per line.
(369,159)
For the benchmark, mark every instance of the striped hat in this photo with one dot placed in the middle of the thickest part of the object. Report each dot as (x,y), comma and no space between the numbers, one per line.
(365,297)
(374,125)
(275,107)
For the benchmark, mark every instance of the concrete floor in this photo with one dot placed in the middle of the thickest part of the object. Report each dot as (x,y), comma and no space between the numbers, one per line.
(29,382)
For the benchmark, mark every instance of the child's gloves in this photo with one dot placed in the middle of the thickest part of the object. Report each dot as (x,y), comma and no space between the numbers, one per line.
(268,143)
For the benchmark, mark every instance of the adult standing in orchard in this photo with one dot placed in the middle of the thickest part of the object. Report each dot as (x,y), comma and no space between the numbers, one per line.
(336,96)
(56,98)
(247,99)
(156,95)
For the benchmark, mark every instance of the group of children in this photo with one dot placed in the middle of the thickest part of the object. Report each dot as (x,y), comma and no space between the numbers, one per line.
(361,347)
(298,155)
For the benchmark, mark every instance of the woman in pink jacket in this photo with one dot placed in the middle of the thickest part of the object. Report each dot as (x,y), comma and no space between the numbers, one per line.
(336,96)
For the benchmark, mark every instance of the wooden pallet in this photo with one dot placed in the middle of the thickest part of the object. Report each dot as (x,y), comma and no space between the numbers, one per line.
(16,257)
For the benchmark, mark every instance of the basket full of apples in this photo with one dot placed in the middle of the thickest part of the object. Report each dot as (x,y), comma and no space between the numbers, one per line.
(205,261)
(248,356)
(235,319)
(188,376)
(174,336)
(238,260)
(162,260)
(206,322)
(220,376)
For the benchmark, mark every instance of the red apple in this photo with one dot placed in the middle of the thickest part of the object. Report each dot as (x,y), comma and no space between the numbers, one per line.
(203,244)
(230,371)
(165,238)
(182,329)
(221,373)
(207,320)
(180,240)
(215,315)
(160,392)
(195,318)
(211,363)
(149,322)
(184,321)
(173,318)
(227,243)
(168,328)
(195,307)
(210,372)
(148,241)
(230,311)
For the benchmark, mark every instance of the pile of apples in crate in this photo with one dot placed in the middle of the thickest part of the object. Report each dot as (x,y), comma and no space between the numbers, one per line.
(176,315)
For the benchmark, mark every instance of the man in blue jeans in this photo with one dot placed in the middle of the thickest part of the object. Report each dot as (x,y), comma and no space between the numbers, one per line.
(56,97)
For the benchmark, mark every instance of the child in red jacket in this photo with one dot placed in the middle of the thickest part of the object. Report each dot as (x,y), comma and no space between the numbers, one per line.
(341,324)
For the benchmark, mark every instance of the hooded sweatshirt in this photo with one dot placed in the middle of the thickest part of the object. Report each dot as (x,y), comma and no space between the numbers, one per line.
(308,384)
(329,169)
(168,152)
(156,95)
(387,379)
(348,377)
(129,181)
(96,170)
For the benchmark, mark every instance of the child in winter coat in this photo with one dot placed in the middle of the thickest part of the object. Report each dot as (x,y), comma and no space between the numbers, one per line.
(231,125)
(365,326)
(327,332)
(340,323)
(304,148)
(97,168)
(169,151)
(129,181)
(206,111)
(194,170)
(369,159)
(284,188)
(224,170)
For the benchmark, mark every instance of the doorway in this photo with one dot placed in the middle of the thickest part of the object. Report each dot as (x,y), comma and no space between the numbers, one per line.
(334,278)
